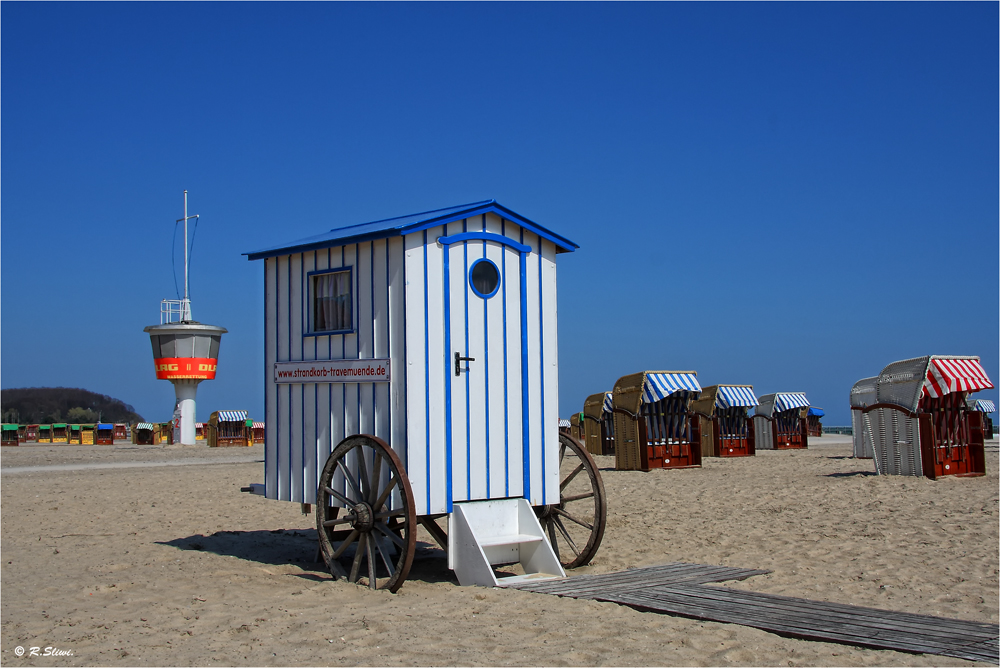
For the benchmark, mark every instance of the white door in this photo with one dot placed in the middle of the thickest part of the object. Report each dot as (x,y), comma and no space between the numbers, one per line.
(486,400)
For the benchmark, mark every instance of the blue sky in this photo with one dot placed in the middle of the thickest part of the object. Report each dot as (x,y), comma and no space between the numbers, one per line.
(786,195)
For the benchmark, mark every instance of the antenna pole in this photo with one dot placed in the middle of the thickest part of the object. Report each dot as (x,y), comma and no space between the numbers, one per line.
(186,304)
(186,298)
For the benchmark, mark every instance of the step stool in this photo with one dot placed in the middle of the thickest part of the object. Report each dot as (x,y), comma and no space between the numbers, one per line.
(483,534)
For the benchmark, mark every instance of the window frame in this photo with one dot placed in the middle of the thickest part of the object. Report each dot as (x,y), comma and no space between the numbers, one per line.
(472,285)
(311,315)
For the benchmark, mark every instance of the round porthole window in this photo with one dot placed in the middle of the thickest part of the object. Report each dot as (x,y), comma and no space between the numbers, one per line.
(484,277)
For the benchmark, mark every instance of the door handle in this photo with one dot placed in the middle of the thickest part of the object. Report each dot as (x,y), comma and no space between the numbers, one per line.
(458,362)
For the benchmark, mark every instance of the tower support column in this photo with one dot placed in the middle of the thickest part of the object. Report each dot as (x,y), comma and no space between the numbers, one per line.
(186,389)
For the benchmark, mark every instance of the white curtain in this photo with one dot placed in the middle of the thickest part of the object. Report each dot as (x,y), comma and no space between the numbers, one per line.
(332,302)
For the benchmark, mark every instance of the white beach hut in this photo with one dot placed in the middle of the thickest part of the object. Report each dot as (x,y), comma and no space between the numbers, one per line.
(411,373)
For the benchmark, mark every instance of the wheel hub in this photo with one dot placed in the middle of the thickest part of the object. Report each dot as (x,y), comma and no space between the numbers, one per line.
(364,517)
(543,512)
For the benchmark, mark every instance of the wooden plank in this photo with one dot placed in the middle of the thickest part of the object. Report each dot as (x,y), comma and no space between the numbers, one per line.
(816,612)
(834,612)
(737,614)
(587,586)
(583,586)
(684,601)
(678,588)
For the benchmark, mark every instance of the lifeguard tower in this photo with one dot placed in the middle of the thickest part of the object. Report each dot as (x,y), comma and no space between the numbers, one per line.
(185,352)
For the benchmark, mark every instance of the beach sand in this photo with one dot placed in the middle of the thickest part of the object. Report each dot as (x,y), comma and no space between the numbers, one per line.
(173,565)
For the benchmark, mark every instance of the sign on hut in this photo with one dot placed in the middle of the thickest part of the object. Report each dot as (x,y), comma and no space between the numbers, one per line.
(780,422)
(920,422)
(418,356)
(725,426)
(105,434)
(862,396)
(144,433)
(654,425)
(226,428)
(8,434)
(599,424)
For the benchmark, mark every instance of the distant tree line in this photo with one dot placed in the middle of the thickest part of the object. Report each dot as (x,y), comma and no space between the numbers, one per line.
(44,405)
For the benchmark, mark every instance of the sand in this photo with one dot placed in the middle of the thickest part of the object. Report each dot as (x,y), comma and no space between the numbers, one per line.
(173,565)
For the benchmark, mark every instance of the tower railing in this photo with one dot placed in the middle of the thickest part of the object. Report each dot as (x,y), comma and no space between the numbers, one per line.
(175,310)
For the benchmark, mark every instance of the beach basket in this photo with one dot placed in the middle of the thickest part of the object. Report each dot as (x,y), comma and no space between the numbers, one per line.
(599,424)
(9,434)
(780,421)
(726,429)
(60,434)
(654,425)
(229,428)
(105,434)
(921,424)
(143,433)
(862,395)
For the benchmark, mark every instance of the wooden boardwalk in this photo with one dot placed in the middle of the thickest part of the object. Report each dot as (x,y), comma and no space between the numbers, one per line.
(679,589)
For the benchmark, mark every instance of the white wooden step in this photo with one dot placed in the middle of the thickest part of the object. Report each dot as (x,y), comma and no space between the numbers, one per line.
(530,577)
(498,532)
(511,539)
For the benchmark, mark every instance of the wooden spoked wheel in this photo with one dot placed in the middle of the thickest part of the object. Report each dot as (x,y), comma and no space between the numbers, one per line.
(576,526)
(365,515)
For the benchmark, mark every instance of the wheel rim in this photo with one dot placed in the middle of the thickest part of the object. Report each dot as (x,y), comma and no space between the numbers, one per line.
(575,527)
(365,514)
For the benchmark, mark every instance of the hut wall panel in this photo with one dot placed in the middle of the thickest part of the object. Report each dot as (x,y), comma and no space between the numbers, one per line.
(535,400)
(363,323)
(321,348)
(437,368)
(337,349)
(550,373)
(366,336)
(417,350)
(380,338)
(436,364)
(511,293)
(307,477)
(460,385)
(396,299)
(496,453)
(475,380)
(284,392)
(296,391)
(306,421)
(352,394)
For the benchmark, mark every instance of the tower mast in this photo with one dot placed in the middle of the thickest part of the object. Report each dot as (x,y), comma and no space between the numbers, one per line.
(186,305)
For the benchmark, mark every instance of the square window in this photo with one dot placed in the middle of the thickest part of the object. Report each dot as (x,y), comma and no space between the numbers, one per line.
(332,301)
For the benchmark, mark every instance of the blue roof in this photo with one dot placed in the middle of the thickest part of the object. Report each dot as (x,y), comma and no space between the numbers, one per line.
(392,227)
